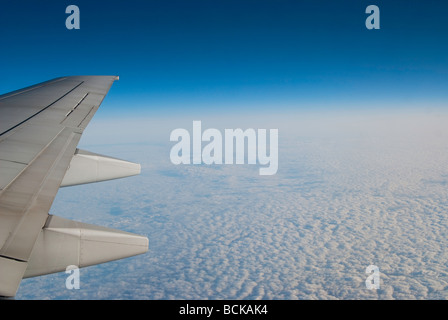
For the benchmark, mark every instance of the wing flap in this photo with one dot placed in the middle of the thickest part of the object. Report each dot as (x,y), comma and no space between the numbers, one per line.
(8,171)
(15,271)
(35,152)
(25,144)
(27,201)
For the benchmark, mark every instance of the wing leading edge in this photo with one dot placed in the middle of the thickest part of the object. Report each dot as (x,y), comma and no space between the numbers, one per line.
(40,127)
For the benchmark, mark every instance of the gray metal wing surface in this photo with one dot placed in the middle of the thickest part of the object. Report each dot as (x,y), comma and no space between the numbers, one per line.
(40,127)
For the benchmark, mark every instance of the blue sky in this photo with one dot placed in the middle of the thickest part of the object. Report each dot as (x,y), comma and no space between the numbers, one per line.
(350,191)
(187,56)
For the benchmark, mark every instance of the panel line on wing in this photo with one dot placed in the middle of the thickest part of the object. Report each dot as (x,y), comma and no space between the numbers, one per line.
(10,258)
(41,110)
(33,211)
(76,106)
(15,93)
(91,109)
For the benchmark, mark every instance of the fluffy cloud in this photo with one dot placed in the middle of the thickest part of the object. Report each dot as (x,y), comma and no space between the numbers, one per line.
(351,191)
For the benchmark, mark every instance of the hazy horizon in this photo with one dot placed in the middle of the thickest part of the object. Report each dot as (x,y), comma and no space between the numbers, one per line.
(344,197)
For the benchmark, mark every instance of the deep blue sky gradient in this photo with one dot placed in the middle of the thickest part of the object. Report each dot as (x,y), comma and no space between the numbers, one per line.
(180,56)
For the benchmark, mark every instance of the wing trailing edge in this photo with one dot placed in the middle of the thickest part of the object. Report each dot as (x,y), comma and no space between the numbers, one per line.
(40,127)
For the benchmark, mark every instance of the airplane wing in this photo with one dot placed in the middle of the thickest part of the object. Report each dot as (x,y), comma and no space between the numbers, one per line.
(40,127)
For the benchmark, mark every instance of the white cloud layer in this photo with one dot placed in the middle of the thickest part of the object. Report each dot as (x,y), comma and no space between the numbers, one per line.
(351,191)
